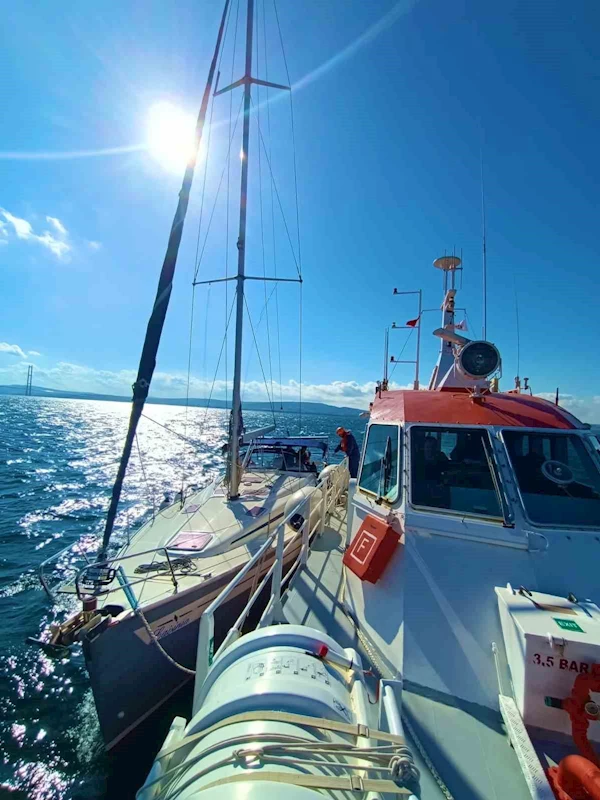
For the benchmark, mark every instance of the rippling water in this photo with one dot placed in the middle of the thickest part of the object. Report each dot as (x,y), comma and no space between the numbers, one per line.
(58,459)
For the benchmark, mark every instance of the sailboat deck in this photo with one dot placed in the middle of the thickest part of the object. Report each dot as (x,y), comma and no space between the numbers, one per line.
(255,514)
(466,743)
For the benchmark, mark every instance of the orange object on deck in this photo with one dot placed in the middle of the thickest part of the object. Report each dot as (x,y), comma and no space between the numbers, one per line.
(581,709)
(371,549)
(575,778)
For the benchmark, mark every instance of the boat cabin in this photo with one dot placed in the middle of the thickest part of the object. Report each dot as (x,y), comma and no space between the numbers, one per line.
(502,459)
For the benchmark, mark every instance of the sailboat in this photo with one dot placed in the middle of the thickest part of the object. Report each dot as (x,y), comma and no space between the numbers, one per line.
(141,606)
(443,639)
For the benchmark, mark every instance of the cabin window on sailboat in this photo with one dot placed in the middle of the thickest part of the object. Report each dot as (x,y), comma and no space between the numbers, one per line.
(380,472)
(558,480)
(451,469)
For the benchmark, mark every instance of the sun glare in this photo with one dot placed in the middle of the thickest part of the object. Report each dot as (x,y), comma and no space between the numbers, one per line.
(170,137)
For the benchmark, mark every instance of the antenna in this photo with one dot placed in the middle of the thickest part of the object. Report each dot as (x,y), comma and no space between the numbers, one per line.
(517,327)
(484,254)
(386,342)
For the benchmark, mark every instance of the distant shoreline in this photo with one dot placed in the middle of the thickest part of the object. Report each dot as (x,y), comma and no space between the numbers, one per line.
(288,407)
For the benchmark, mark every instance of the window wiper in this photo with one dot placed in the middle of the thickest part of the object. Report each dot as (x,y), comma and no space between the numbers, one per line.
(385,470)
(498,485)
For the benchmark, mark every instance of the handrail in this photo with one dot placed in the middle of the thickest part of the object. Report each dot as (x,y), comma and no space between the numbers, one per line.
(336,481)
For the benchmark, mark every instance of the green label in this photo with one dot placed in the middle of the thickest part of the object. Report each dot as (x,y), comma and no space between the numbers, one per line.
(568,625)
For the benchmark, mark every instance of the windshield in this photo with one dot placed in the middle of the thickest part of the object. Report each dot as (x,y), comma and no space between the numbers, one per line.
(559,482)
(451,470)
(379,474)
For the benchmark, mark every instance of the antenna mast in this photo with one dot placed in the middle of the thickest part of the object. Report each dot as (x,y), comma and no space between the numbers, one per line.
(484,254)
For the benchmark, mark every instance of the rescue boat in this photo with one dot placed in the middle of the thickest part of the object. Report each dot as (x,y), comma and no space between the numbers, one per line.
(445,608)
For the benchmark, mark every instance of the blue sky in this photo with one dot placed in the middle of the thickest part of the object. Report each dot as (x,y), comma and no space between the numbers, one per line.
(392,104)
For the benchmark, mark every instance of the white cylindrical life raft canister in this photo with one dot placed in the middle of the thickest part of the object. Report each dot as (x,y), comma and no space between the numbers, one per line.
(279,686)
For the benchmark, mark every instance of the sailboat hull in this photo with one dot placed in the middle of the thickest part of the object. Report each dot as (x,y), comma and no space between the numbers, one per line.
(131,678)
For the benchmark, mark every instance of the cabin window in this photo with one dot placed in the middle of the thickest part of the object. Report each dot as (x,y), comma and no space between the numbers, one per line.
(380,474)
(451,470)
(559,482)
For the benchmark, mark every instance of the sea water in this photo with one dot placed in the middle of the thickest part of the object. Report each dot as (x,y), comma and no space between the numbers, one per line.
(58,460)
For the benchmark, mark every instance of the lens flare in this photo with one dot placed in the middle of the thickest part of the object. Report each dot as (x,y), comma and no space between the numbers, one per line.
(170,136)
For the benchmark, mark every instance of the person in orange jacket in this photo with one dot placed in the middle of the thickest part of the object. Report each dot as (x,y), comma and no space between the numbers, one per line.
(349,446)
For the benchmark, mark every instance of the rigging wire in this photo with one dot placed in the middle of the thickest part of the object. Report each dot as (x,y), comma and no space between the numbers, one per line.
(196,267)
(205,349)
(150,490)
(173,431)
(187,387)
(260,359)
(203,425)
(266,61)
(237,17)
(287,71)
(410,333)
(274,185)
(212,213)
(258,324)
(260,195)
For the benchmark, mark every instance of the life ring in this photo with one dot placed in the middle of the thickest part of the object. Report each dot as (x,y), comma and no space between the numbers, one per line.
(582,710)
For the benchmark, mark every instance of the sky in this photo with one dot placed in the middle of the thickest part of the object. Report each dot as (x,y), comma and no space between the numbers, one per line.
(396,105)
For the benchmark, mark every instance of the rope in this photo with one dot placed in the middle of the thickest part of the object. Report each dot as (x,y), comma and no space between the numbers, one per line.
(186,565)
(140,614)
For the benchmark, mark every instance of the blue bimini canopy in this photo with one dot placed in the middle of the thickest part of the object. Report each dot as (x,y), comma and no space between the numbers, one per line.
(279,442)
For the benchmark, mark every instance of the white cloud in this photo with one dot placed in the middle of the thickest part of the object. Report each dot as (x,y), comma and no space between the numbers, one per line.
(74,377)
(33,353)
(94,245)
(585,408)
(11,349)
(57,225)
(56,241)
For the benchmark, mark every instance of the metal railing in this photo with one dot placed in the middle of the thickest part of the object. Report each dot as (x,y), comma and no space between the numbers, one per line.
(311,522)
(75,570)
(78,573)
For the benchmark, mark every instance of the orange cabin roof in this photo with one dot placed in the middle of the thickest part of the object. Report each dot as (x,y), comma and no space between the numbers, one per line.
(459,408)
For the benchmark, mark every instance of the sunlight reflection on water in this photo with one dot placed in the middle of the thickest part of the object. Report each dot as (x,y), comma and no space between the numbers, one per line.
(58,459)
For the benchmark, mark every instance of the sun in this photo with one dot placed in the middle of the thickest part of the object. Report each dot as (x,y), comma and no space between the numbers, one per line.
(170,136)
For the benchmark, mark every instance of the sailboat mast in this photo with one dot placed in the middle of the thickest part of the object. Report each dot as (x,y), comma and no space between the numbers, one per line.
(147,364)
(236,409)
